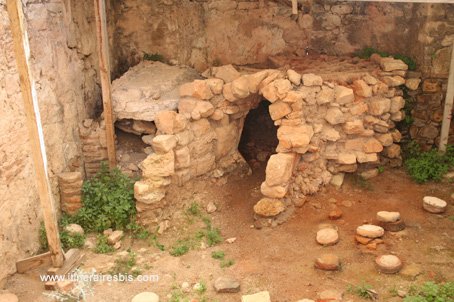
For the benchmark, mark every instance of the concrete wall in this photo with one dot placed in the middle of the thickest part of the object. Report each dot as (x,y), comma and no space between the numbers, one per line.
(62,47)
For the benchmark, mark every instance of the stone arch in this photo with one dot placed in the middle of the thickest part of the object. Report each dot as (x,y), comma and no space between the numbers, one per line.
(324,129)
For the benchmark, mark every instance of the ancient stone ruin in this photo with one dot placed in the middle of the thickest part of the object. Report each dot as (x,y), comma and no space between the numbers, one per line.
(341,121)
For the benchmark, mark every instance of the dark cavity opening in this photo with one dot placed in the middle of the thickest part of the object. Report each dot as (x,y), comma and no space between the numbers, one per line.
(259,137)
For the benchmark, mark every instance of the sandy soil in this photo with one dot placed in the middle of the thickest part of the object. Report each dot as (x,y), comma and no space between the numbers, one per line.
(281,259)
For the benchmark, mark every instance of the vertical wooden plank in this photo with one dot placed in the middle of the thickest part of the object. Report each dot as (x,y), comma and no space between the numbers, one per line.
(104,70)
(38,149)
(447,113)
(295,7)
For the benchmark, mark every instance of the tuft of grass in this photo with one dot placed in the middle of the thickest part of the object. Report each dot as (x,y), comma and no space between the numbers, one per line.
(125,266)
(102,245)
(431,292)
(363,290)
(201,288)
(180,248)
(213,236)
(381,169)
(227,263)
(219,255)
(194,209)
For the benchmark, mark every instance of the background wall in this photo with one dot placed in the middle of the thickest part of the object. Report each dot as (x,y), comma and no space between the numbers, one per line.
(199,33)
(62,46)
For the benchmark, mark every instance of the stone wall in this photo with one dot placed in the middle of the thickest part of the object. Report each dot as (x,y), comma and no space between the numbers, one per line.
(62,48)
(215,32)
(325,129)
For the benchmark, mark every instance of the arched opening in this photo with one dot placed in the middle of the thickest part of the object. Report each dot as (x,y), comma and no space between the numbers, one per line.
(259,136)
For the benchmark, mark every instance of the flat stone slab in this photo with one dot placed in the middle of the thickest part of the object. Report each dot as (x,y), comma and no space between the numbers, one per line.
(147,88)
(226,285)
(388,264)
(327,237)
(385,216)
(434,205)
(257,297)
(370,231)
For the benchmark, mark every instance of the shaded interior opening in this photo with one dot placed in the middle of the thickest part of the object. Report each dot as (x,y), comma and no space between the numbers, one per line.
(259,137)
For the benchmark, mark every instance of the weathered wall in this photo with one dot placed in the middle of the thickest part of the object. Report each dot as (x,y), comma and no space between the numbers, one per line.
(214,32)
(62,64)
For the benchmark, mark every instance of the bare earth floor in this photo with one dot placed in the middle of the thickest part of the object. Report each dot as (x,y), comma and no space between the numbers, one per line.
(281,259)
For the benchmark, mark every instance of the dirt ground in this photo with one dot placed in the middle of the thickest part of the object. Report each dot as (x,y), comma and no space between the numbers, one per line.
(281,259)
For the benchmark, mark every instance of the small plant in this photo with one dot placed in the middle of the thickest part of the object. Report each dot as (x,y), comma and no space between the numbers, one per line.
(381,169)
(219,255)
(154,57)
(194,209)
(83,288)
(124,266)
(102,245)
(227,263)
(201,288)
(431,292)
(363,290)
(213,236)
(70,241)
(430,165)
(181,248)
(108,201)
(138,231)
(155,242)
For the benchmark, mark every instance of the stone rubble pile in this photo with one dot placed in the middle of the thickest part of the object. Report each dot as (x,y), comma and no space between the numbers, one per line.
(324,129)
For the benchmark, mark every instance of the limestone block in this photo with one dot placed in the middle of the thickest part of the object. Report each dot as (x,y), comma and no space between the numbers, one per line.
(182,158)
(227,91)
(391,64)
(326,95)
(293,97)
(379,105)
(279,168)
(283,86)
(294,77)
(227,73)
(164,143)
(273,192)
(215,85)
(362,89)
(198,89)
(334,116)
(310,79)
(358,108)
(412,84)
(330,134)
(346,158)
(170,122)
(386,139)
(367,145)
(397,103)
(158,165)
(354,127)
(240,87)
(227,138)
(269,92)
(268,207)
(392,151)
(393,81)
(278,110)
(343,94)
(202,165)
(297,137)
(256,79)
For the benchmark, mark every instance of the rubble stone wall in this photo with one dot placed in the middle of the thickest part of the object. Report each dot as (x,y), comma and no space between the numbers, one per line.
(207,33)
(62,47)
(324,129)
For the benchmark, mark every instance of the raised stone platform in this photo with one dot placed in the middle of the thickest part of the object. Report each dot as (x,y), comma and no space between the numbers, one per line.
(148,88)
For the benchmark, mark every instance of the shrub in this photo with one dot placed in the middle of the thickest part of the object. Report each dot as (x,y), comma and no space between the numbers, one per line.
(431,292)
(108,201)
(430,165)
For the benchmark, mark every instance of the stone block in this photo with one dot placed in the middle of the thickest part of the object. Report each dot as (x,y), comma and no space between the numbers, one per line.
(278,110)
(362,89)
(310,79)
(164,143)
(182,158)
(198,89)
(279,168)
(158,165)
(295,137)
(379,105)
(334,116)
(343,95)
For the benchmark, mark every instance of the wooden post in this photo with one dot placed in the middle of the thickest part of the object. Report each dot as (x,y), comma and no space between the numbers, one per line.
(38,150)
(447,113)
(295,7)
(104,71)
